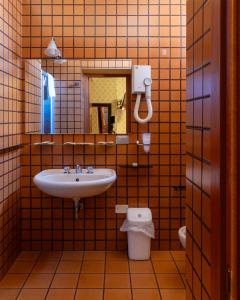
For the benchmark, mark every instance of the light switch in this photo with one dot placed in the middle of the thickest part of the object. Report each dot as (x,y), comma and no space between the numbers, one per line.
(122,140)
(121,209)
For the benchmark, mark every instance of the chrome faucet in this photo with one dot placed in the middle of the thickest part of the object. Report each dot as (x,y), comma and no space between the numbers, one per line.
(66,170)
(90,170)
(78,169)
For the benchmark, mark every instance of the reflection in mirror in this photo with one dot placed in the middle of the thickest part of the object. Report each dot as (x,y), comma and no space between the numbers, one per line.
(107,104)
(68,96)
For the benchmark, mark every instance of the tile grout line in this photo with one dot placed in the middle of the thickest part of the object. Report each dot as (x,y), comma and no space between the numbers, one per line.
(104,279)
(34,264)
(51,281)
(80,272)
(130,277)
(105,260)
(178,269)
(155,276)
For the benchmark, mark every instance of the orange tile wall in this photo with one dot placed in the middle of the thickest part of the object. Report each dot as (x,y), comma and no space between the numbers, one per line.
(151,32)
(198,148)
(10,130)
(69,109)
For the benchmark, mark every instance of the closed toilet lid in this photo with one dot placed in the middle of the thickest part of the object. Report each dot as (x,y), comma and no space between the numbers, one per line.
(139,215)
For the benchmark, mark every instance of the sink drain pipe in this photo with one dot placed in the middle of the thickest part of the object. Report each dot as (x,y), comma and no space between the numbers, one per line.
(78,204)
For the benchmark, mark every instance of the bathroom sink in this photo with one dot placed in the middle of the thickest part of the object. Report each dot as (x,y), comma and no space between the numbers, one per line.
(74,185)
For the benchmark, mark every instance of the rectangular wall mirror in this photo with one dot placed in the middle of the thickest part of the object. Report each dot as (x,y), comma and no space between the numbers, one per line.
(77,96)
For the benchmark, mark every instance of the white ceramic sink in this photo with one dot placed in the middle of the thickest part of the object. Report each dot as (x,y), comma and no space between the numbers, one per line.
(74,185)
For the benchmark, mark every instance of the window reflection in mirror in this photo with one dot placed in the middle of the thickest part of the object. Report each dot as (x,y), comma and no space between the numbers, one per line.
(61,97)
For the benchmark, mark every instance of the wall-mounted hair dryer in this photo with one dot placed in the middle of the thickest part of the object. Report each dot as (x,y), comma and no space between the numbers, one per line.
(141,84)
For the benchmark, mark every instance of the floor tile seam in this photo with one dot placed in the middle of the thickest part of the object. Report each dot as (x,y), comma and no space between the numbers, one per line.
(167,272)
(104,279)
(155,276)
(158,288)
(85,252)
(176,259)
(33,266)
(173,289)
(75,294)
(73,261)
(176,272)
(183,282)
(79,273)
(49,286)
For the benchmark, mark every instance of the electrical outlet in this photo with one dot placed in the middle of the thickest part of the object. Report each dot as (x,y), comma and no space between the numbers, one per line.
(121,209)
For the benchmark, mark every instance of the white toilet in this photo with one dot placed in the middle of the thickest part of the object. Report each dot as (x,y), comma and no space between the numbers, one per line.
(182,233)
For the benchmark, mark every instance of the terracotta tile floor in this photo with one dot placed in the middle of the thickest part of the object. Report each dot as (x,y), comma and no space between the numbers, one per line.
(94,275)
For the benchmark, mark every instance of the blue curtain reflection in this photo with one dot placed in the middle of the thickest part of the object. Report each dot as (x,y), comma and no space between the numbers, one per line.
(48,103)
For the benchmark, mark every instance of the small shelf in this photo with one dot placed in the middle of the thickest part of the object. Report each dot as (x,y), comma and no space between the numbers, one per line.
(136,166)
(78,144)
(48,143)
(89,144)
(108,144)
(45,143)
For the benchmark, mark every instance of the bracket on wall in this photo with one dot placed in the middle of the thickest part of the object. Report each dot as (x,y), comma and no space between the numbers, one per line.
(11,148)
(136,166)
(179,187)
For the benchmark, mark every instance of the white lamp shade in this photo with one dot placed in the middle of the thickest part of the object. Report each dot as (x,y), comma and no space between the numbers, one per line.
(52,50)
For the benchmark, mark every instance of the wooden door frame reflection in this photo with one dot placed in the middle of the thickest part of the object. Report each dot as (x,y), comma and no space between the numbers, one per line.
(88,76)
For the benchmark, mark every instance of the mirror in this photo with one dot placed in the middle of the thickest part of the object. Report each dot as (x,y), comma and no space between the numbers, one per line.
(77,96)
